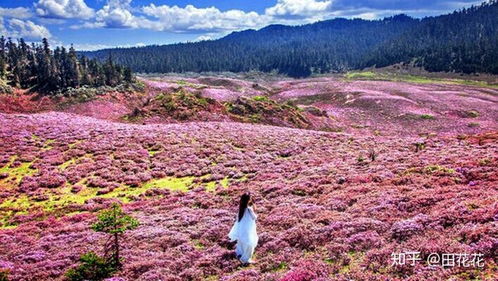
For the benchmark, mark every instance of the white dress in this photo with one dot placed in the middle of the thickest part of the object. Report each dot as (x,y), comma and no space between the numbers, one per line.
(244,232)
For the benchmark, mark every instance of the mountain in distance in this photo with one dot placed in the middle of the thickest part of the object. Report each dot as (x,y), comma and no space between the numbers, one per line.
(464,41)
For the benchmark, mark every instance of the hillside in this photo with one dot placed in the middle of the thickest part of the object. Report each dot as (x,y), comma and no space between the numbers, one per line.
(463,41)
(387,162)
(372,102)
(340,150)
(326,208)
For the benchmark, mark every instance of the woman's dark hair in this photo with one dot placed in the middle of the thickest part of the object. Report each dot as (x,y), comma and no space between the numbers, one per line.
(244,202)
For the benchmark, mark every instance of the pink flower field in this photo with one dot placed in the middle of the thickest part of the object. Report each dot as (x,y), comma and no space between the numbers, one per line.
(406,173)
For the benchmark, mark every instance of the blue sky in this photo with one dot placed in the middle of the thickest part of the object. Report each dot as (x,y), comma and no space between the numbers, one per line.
(94,24)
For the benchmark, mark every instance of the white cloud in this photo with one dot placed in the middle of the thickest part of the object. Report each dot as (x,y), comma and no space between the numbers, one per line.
(26,29)
(115,17)
(213,22)
(117,14)
(64,9)
(3,30)
(368,16)
(120,14)
(298,8)
(19,13)
(204,38)
(94,47)
(190,18)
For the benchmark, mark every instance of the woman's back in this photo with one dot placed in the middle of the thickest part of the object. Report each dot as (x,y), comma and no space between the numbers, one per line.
(247,227)
(244,230)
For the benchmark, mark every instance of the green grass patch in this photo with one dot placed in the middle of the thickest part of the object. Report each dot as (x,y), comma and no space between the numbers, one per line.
(190,85)
(395,77)
(261,98)
(472,83)
(171,183)
(198,244)
(280,267)
(21,202)
(66,164)
(17,173)
(71,145)
(58,199)
(429,170)
(361,75)
(225,182)
(211,186)
(47,145)
(356,259)
(427,117)
(436,168)
(153,152)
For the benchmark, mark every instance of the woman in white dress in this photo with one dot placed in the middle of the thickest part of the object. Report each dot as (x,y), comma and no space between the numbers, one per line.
(244,230)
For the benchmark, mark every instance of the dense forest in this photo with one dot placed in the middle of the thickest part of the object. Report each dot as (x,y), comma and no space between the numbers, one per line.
(463,41)
(39,68)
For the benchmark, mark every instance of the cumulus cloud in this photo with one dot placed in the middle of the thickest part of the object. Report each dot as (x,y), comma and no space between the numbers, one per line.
(64,9)
(19,13)
(116,14)
(120,14)
(213,21)
(28,30)
(298,8)
(190,18)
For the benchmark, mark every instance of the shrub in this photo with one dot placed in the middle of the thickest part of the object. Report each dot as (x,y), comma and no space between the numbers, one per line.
(402,230)
(92,267)
(51,180)
(313,110)
(365,240)
(472,114)
(419,146)
(372,154)
(5,89)
(4,275)
(307,270)
(114,222)
(360,159)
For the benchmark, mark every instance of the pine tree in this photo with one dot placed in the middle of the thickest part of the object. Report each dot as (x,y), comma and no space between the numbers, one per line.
(47,71)
(114,222)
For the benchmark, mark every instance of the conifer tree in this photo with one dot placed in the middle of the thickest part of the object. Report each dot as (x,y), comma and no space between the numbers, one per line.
(47,71)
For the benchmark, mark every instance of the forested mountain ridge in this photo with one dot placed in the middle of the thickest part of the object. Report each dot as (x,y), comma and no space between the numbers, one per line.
(463,41)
